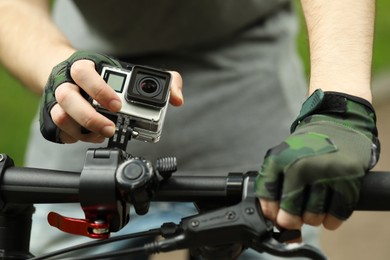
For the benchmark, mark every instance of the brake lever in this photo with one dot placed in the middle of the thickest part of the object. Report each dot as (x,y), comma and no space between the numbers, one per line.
(243,224)
(274,247)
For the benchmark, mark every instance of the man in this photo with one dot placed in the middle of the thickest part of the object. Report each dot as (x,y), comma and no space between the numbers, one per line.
(242,86)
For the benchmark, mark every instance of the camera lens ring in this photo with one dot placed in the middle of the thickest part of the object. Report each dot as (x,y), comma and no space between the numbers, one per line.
(149,86)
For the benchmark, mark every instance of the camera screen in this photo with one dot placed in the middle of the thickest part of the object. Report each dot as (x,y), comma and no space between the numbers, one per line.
(115,80)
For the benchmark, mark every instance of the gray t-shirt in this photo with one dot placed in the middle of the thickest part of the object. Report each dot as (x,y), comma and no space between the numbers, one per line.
(122,27)
(243,82)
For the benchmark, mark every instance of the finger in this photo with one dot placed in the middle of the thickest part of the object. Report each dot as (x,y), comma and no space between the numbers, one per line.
(67,139)
(332,223)
(73,104)
(288,221)
(86,77)
(64,123)
(176,97)
(313,219)
(270,209)
(70,129)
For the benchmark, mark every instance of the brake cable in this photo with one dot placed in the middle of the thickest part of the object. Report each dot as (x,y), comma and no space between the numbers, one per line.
(96,243)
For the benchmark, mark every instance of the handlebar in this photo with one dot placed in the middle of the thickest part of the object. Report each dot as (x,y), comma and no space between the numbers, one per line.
(112,175)
(31,185)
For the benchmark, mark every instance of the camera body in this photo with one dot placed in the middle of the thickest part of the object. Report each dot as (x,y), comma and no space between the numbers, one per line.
(144,93)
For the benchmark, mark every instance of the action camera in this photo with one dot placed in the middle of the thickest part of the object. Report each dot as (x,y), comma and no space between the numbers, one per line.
(144,93)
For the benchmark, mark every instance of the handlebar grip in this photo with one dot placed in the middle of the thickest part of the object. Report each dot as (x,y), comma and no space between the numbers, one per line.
(30,185)
(195,188)
(375,192)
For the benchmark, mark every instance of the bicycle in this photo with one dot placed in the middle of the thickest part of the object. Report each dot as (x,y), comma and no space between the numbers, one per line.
(229,214)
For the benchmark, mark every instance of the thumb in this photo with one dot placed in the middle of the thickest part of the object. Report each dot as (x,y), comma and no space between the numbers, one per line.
(176,98)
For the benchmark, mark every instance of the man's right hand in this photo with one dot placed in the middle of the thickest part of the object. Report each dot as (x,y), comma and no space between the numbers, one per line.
(64,110)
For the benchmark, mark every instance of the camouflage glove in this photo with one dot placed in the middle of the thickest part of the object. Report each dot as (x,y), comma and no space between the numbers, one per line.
(320,166)
(61,74)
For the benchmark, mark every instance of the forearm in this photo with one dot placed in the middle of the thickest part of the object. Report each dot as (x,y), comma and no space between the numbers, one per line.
(341,40)
(30,44)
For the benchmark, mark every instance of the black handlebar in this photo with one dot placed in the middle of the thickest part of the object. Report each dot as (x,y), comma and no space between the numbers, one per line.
(375,192)
(31,185)
(110,176)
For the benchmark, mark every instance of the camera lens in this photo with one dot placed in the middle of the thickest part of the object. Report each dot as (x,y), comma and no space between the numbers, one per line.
(149,87)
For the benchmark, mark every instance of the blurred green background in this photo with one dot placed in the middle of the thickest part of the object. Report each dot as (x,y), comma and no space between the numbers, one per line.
(18,105)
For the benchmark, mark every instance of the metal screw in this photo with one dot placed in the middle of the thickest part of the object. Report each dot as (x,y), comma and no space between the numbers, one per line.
(230,215)
(195,223)
(249,211)
(100,231)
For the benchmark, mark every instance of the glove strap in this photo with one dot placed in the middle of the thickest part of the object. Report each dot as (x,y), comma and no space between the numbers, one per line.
(329,102)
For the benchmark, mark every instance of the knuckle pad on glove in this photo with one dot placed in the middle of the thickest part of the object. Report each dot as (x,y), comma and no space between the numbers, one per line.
(279,159)
(269,181)
(319,198)
(345,195)
(335,191)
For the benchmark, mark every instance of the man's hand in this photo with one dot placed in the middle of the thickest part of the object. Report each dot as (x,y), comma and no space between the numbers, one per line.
(64,110)
(314,176)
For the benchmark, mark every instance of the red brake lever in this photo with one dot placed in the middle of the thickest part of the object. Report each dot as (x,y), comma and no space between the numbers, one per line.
(79,226)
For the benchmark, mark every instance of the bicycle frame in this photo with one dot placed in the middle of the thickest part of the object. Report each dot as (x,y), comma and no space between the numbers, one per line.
(227,203)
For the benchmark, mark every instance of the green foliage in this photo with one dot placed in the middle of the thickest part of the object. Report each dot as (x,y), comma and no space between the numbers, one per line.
(381,60)
(17,108)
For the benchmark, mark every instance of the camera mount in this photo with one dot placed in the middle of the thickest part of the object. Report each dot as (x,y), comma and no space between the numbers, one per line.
(124,130)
